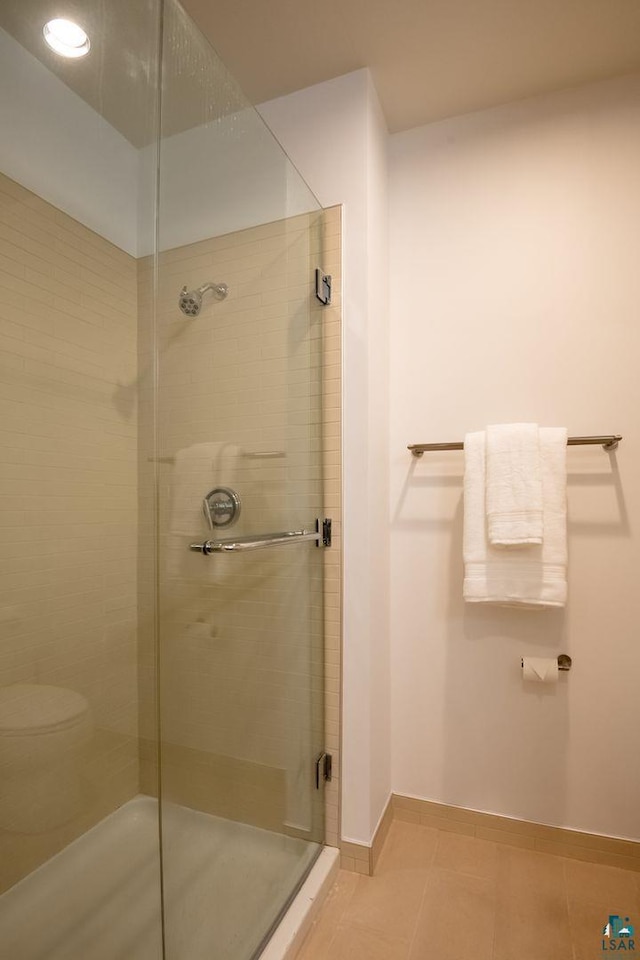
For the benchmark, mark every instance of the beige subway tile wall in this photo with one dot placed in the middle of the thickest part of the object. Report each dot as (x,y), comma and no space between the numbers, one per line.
(72,373)
(68,512)
(331,252)
(243,690)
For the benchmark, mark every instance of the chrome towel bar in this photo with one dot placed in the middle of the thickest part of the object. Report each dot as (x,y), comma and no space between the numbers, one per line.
(322,537)
(608,442)
(246,454)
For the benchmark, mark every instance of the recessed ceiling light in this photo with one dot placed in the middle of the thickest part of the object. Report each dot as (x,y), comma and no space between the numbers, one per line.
(66,38)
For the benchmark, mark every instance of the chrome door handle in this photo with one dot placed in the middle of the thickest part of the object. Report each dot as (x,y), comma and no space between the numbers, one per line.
(322,535)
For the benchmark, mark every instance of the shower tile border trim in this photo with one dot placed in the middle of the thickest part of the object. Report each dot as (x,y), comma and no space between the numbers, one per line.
(359,858)
(574,844)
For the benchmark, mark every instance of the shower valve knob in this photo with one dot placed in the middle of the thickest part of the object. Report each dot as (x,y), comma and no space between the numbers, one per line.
(221,507)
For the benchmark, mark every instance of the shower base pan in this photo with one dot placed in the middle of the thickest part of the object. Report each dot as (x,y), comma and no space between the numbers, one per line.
(98,899)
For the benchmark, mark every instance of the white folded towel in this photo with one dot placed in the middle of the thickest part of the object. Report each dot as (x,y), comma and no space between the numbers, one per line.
(514,486)
(198,469)
(535,575)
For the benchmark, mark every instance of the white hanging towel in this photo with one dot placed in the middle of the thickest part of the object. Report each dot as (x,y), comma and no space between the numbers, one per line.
(514,485)
(535,575)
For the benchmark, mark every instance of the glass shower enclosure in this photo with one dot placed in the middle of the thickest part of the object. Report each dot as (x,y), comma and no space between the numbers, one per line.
(161,484)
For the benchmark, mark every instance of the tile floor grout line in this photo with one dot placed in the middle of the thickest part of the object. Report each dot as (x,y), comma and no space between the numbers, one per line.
(494,939)
(412,939)
(430,867)
(566,897)
(495,923)
(345,907)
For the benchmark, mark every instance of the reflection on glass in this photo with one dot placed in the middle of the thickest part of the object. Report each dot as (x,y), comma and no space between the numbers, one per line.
(74,828)
(239,409)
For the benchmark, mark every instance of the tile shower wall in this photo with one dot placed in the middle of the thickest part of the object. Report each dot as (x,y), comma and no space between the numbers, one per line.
(68,495)
(240,373)
(332,470)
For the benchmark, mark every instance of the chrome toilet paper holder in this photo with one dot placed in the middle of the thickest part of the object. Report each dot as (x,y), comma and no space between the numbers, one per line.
(564,662)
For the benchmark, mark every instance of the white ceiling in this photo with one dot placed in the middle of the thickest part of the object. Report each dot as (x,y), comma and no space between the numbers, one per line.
(430,59)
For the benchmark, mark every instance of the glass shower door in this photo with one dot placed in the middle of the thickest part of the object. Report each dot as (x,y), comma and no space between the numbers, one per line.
(238,451)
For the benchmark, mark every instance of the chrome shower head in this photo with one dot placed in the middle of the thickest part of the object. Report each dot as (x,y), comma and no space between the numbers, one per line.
(190,301)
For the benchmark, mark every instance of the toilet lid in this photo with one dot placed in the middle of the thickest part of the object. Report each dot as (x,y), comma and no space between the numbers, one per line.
(27,708)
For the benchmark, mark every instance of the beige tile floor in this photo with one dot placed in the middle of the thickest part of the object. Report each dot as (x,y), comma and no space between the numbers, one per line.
(443,896)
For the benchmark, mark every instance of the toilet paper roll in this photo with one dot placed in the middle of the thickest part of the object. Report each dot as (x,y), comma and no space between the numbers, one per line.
(540,669)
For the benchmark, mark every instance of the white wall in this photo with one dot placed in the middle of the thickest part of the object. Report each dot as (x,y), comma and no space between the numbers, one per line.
(56,145)
(335,134)
(515,245)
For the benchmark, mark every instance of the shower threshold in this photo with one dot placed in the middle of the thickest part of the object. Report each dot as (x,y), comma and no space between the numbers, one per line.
(98,899)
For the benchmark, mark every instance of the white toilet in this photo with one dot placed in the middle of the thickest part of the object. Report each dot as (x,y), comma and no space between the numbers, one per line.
(43,731)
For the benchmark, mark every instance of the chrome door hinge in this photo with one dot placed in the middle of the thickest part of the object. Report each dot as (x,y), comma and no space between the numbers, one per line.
(326,531)
(323,287)
(323,769)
